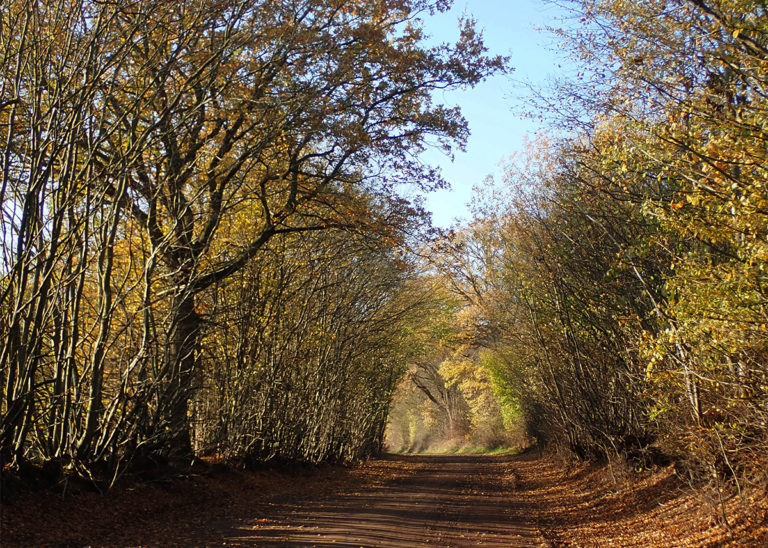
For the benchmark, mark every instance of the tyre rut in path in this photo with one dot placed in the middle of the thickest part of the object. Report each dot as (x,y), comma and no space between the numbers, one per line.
(424,500)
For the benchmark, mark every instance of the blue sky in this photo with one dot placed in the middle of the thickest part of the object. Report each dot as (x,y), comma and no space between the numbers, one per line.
(492,109)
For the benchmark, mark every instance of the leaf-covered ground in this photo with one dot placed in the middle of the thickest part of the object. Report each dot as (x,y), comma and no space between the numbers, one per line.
(454,500)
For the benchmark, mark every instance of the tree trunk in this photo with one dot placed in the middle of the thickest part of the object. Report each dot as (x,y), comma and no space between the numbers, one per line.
(182,357)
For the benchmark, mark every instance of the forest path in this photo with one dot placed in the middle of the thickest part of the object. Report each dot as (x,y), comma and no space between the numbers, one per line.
(397,500)
(439,500)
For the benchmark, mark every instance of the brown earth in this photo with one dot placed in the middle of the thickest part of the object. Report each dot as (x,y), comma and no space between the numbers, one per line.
(439,500)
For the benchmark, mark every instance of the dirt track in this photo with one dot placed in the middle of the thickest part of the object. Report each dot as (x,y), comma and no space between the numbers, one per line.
(434,500)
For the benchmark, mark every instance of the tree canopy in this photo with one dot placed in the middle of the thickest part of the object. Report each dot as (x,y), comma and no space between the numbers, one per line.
(157,152)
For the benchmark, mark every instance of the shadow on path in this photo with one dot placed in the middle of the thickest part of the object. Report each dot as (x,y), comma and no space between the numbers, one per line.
(425,500)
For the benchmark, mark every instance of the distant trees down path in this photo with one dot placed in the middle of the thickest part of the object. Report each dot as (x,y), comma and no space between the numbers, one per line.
(201,222)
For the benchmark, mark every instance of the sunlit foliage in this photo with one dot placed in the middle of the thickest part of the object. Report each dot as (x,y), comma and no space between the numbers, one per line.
(151,152)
